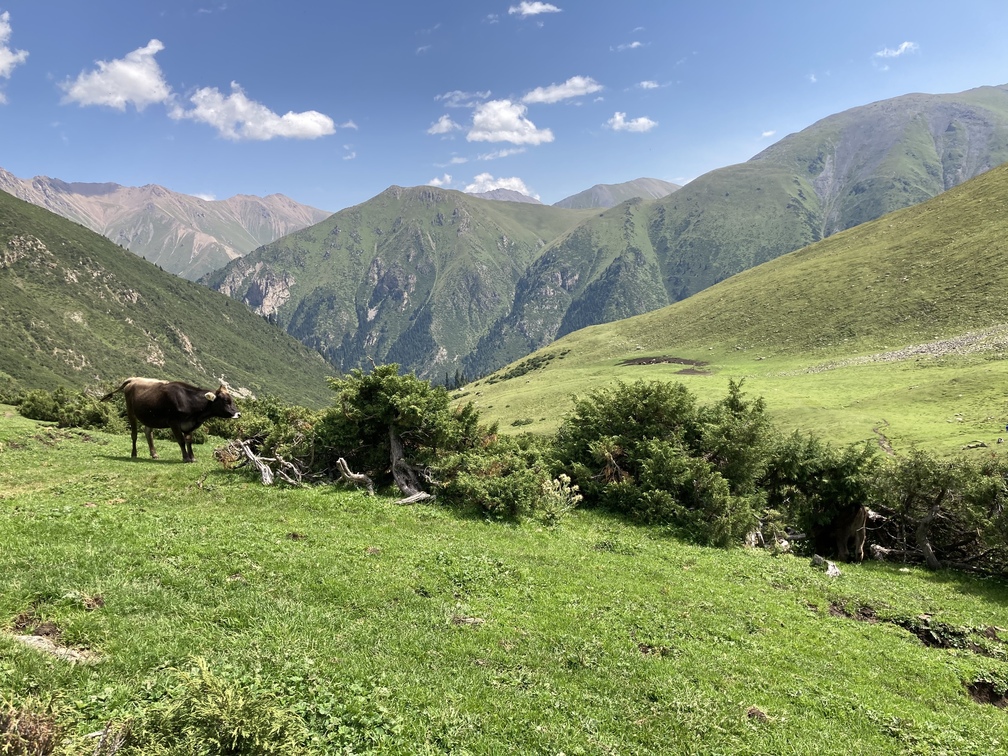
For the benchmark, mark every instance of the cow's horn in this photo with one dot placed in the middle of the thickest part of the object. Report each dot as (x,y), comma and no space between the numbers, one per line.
(210,396)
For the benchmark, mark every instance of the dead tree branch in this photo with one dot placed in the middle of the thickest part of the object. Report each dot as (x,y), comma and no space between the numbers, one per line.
(356,479)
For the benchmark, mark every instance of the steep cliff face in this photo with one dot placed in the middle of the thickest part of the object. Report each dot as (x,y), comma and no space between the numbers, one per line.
(185,235)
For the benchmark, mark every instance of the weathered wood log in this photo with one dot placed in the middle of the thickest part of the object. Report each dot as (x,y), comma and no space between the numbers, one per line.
(287,471)
(357,479)
(419,496)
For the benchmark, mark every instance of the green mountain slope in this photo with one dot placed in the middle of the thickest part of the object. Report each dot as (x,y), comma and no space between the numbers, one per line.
(900,323)
(844,170)
(414,276)
(610,195)
(79,311)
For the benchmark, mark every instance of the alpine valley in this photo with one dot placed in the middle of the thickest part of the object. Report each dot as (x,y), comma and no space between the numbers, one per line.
(448,284)
(455,286)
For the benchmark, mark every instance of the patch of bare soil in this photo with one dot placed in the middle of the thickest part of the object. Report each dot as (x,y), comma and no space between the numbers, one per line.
(664,360)
(44,635)
(933,633)
(883,442)
(984,692)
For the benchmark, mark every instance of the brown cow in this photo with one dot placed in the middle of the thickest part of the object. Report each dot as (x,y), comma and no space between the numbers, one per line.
(845,533)
(172,404)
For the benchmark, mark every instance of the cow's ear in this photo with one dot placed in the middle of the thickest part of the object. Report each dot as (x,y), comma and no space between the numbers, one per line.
(210,396)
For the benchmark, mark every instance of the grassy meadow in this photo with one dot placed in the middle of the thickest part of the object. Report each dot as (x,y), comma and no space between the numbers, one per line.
(898,326)
(211,614)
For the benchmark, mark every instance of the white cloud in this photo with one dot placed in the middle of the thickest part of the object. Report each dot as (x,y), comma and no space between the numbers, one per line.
(459,99)
(9,58)
(629,46)
(769,133)
(649,85)
(422,49)
(532,9)
(237,117)
(497,154)
(458,160)
(350,155)
(444,125)
(576,86)
(619,123)
(135,79)
(348,125)
(812,78)
(905,47)
(444,180)
(205,197)
(487,183)
(505,121)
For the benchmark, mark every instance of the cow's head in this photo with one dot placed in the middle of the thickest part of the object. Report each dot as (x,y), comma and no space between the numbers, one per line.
(224,405)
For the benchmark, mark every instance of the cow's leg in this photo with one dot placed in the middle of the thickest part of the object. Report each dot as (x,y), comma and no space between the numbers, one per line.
(841,544)
(180,437)
(188,439)
(133,431)
(149,432)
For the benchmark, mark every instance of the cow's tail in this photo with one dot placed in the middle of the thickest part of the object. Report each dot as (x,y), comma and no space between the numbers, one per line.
(113,392)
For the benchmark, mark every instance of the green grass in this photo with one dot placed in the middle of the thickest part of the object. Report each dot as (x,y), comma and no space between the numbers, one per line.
(427,632)
(811,331)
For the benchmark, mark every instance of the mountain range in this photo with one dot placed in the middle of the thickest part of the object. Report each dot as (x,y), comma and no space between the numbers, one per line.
(447,283)
(80,311)
(182,234)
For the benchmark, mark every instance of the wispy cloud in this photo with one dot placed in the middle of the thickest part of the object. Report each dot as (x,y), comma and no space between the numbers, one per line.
(903,49)
(238,118)
(459,99)
(619,122)
(444,180)
(532,9)
(648,85)
(576,86)
(9,58)
(134,80)
(505,121)
(350,153)
(628,46)
(812,78)
(498,154)
(422,49)
(348,125)
(485,182)
(443,125)
(768,134)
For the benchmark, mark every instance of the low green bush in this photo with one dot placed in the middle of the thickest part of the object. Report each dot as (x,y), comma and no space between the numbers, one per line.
(69,409)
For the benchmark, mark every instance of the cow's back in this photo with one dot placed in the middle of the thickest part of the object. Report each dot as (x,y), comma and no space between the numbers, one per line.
(158,403)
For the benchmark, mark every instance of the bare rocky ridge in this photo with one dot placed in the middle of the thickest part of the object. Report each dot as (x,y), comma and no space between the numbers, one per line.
(182,234)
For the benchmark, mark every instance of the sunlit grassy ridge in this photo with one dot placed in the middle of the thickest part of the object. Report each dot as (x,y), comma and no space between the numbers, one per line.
(79,311)
(820,331)
(413,630)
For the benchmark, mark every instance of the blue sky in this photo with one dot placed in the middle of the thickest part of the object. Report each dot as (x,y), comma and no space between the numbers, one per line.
(331,102)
